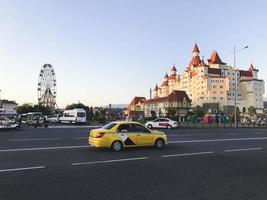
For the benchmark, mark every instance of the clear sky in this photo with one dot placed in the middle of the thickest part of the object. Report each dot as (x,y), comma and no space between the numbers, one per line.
(108,51)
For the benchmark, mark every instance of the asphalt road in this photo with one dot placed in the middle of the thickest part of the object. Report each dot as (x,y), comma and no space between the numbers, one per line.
(201,164)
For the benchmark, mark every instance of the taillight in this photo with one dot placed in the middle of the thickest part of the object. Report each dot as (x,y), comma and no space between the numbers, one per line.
(99,134)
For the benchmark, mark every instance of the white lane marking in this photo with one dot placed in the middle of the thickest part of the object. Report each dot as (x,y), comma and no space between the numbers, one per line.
(33,139)
(22,169)
(45,148)
(188,154)
(248,149)
(80,138)
(218,140)
(109,161)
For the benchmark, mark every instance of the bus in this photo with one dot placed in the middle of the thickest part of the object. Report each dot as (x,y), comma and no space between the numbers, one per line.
(75,116)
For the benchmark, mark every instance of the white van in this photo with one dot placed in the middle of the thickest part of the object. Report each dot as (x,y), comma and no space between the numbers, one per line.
(74,116)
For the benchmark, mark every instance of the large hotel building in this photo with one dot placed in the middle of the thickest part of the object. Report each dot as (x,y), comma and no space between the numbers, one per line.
(211,84)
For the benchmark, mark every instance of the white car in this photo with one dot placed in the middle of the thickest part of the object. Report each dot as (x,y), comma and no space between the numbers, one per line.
(161,123)
(54,118)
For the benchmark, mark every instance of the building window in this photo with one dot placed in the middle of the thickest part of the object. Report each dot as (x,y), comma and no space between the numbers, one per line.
(214,86)
(214,98)
(221,98)
(221,86)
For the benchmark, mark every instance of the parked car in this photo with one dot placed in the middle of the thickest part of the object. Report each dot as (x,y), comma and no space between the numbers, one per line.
(54,118)
(8,120)
(74,116)
(117,135)
(36,119)
(162,123)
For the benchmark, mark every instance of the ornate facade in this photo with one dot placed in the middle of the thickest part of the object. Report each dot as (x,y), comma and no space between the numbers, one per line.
(211,84)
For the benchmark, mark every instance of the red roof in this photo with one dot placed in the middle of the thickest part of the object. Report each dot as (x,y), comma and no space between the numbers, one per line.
(195,48)
(136,100)
(166,76)
(195,61)
(245,73)
(156,99)
(252,68)
(174,68)
(215,58)
(176,95)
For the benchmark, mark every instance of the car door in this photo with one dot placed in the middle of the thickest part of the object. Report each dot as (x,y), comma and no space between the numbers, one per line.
(156,123)
(144,136)
(163,123)
(127,134)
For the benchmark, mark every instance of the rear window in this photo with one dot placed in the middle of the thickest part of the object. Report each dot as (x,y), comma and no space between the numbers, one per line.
(109,126)
(80,114)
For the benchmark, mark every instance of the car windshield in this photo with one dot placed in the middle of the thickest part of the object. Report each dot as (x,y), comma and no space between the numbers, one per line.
(109,126)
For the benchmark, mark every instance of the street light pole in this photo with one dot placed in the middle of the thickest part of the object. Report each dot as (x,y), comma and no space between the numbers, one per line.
(235,51)
(235,89)
(0,100)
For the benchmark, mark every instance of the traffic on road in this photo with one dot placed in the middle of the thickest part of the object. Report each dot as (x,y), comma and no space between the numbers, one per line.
(35,162)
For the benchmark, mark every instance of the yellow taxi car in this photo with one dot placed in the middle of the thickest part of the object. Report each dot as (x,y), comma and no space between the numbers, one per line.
(117,135)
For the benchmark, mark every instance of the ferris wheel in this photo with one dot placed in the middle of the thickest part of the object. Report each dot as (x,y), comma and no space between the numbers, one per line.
(47,86)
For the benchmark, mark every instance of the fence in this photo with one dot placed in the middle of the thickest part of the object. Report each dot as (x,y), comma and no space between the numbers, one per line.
(219,125)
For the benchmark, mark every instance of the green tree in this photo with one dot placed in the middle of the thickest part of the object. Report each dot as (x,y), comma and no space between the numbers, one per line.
(102,114)
(90,114)
(252,111)
(171,112)
(153,114)
(24,108)
(43,109)
(160,113)
(198,111)
(96,115)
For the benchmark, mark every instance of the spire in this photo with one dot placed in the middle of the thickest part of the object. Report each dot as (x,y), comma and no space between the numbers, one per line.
(174,68)
(156,87)
(252,68)
(195,48)
(202,62)
(215,58)
(166,76)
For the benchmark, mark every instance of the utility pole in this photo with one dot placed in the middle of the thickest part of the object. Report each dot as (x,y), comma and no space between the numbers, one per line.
(236,71)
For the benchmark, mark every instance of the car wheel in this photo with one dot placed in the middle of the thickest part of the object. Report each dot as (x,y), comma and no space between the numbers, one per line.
(149,126)
(159,144)
(116,146)
(169,127)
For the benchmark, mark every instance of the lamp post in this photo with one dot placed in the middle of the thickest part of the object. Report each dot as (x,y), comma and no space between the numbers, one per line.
(236,51)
